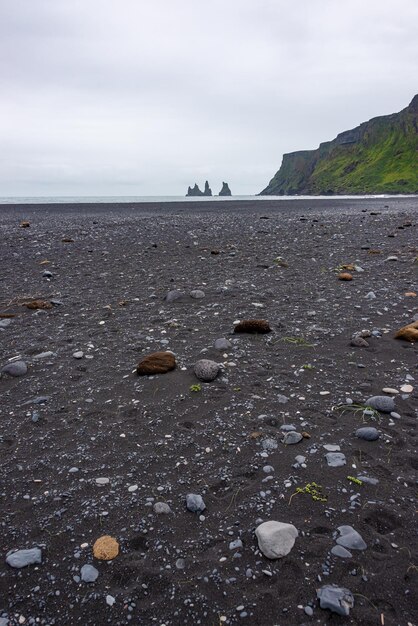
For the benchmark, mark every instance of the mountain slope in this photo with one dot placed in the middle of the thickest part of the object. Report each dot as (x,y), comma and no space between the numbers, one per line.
(379,156)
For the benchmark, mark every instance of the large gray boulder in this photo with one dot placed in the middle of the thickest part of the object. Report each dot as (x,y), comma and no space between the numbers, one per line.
(276,539)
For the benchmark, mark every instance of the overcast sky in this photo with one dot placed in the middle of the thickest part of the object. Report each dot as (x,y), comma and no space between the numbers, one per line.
(144,97)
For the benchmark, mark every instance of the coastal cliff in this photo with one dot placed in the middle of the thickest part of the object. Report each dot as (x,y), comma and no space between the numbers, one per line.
(379,156)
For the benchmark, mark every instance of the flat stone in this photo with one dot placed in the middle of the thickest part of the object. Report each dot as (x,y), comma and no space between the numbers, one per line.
(102,481)
(44,355)
(350,538)
(161,508)
(89,574)
(368,480)
(197,294)
(287,428)
(330,447)
(5,323)
(368,433)
(78,355)
(15,369)
(194,503)
(370,296)
(173,295)
(384,404)
(269,444)
(22,558)
(341,552)
(338,599)
(335,459)
(391,258)
(390,390)
(206,370)
(359,342)
(222,344)
(291,438)
(276,539)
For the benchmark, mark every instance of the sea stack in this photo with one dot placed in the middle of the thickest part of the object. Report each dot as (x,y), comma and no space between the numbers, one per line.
(225,191)
(208,190)
(194,191)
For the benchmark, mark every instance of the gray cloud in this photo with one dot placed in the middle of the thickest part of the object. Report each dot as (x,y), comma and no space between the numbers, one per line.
(130,97)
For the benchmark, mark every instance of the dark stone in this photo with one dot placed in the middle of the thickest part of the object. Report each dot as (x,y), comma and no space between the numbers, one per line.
(225,191)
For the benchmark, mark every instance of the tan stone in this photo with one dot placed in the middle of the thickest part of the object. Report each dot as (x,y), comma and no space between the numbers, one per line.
(345,276)
(156,363)
(408,333)
(105,548)
(38,304)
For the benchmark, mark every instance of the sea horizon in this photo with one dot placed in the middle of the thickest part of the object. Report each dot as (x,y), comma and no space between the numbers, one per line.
(5,200)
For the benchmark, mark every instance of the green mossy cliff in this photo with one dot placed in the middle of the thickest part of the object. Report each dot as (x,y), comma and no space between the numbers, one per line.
(377,157)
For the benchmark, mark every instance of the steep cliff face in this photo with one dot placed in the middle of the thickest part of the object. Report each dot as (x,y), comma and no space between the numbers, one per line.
(379,156)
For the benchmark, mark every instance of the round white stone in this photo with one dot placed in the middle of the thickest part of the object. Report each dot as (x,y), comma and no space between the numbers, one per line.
(276,539)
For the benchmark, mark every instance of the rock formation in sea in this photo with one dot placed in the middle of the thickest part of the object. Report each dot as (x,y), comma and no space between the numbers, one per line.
(195,191)
(225,191)
(208,190)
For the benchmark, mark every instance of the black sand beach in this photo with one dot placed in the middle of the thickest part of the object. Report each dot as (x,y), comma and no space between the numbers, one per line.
(73,419)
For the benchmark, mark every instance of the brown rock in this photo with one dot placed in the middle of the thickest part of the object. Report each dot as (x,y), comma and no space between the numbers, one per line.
(408,333)
(67,240)
(156,363)
(24,224)
(38,304)
(105,548)
(253,326)
(345,276)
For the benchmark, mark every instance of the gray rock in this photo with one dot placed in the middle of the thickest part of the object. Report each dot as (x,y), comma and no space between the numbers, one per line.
(37,400)
(222,344)
(308,610)
(292,437)
(47,274)
(78,355)
(235,545)
(268,469)
(161,508)
(269,444)
(89,574)
(206,370)
(335,459)
(22,558)
(350,538)
(44,355)
(17,368)
(331,447)
(299,459)
(341,552)
(368,480)
(281,398)
(384,404)
(173,295)
(5,323)
(194,503)
(197,294)
(391,258)
(287,428)
(370,296)
(368,433)
(359,342)
(276,539)
(337,599)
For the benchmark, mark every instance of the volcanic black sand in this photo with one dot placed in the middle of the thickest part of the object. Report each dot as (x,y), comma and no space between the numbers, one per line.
(70,421)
